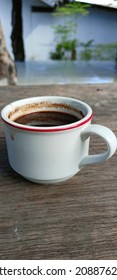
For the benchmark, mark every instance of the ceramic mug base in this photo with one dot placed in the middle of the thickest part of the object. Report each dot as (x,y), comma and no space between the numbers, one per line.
(45,182)
(49,182)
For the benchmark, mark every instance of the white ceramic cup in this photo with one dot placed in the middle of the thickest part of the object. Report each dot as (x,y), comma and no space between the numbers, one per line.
(52,154)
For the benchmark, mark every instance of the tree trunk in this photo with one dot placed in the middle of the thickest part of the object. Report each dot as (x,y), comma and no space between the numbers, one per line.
(16,36)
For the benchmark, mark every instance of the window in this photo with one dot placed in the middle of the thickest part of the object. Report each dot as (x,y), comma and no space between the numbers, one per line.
(38,9)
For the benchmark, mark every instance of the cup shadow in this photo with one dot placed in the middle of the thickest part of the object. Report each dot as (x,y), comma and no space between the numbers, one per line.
(4,164)
(6,172)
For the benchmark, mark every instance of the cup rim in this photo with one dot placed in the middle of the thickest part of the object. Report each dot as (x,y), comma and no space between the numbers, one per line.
(66,127)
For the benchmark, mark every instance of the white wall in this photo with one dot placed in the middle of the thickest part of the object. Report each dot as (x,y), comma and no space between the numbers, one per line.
(38,34)
(100,25)
(5,17)
(26,16)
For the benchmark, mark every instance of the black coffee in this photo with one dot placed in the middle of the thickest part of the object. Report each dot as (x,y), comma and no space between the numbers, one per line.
(47,118)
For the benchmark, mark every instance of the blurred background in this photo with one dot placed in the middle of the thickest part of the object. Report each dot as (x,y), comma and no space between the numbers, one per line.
(60,42)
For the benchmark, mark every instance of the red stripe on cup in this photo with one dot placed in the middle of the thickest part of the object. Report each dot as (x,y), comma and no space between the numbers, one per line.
(51,129)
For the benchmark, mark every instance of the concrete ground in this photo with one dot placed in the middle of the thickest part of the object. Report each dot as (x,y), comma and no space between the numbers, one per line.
(65,72)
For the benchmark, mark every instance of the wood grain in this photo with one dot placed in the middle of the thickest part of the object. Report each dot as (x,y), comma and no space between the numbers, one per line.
(73,220)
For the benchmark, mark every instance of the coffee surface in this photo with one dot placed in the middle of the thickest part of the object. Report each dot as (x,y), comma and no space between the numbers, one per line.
(47,118)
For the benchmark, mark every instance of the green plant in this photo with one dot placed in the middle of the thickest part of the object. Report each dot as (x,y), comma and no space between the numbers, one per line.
(58,53)
(105,51)
(66,33)
(72,9)
(66,43)
(86,54)
(99,51)
(64,50)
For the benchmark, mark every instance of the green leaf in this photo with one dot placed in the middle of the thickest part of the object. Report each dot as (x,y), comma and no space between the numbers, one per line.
(72,8)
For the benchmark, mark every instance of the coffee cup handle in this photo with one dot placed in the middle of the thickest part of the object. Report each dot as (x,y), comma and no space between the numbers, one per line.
(107,135)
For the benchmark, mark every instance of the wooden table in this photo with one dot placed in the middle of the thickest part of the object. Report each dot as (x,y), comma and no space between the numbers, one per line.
(73,220)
